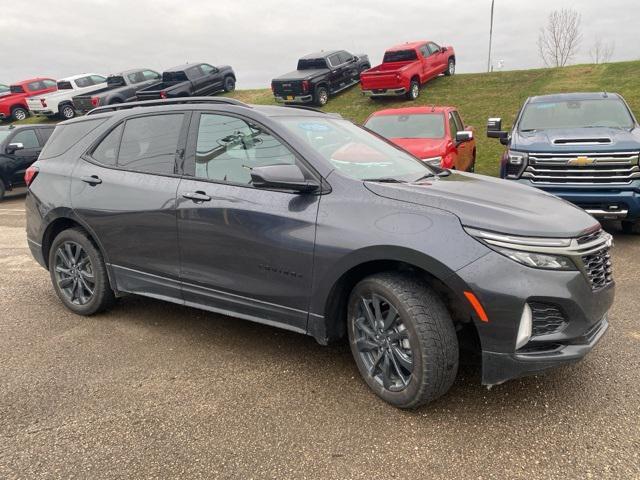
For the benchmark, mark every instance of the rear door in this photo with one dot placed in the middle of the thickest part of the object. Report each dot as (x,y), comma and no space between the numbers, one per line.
(465,149)
(244,250)
(439,59)
(213,81)
(124,189)
(20,160)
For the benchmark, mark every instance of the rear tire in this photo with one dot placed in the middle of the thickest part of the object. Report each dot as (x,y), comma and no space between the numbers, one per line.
(321,96)
(414,90)
(451,68)
(405,346)
(19,113)
(229,84)
(78,273)
(67,111)
(631,227)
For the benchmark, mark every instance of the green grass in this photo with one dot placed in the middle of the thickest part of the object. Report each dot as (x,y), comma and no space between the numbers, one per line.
(479,96)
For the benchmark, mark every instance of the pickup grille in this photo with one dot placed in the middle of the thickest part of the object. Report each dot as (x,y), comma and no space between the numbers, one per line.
(619,168)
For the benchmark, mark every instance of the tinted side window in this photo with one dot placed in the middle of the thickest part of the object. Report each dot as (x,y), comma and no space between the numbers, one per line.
(149,143)
(452,126)
(345,57)
(458,120)
(207,69)
(45,133)
(28,138)
(66,136)
(193,73)
(35,86)
(151,75)
(96,79)
(424,51)
(433,48)
(228,147)
(334,60)
(49,83)
(106,152)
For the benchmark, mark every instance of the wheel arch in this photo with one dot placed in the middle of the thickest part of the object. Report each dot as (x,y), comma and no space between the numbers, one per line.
(451,57)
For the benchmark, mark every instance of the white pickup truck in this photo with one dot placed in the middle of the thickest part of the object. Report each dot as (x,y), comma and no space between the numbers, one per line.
(61,102)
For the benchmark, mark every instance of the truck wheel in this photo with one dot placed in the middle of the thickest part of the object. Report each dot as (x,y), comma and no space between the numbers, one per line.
(229,84)
(78,273)
(19,113)
(67,111)
(631,227)
(451,68)
(414,90)
(321,96)
(402,339)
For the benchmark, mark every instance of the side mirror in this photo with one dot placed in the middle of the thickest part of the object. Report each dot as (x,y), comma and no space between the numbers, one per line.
(464,136)
(494,130)
(443,49)
(14,147)
(282,177)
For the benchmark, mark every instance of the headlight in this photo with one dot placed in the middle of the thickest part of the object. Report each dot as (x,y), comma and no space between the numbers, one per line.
(433,161)
(517,158)
(533,252)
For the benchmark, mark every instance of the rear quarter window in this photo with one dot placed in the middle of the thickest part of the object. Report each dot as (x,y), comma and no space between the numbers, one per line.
(66,136)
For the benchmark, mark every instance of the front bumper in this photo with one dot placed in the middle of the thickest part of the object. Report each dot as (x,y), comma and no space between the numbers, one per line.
(294,98)
(503,286)
(384,92)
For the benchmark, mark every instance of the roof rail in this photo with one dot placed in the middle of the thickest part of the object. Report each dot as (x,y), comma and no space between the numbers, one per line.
(168,101)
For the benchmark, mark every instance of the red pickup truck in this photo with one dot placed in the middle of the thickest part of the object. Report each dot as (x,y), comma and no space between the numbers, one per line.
(14,105)
(406,67)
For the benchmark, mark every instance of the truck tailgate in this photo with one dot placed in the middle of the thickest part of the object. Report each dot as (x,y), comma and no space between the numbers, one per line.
(83,103)
(383,76)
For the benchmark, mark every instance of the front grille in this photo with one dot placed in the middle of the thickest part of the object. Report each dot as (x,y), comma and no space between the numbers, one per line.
(598,268)
(547,319)
(577,168)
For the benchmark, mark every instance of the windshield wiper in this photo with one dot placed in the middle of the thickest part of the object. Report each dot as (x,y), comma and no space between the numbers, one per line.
(384,180)
(445,172)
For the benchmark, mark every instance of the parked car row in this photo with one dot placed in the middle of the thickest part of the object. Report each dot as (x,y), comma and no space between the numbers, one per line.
(404,69)
(69,96)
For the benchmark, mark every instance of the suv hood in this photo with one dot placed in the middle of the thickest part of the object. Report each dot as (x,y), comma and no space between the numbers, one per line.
(544,140)
(423,147)
(492,204)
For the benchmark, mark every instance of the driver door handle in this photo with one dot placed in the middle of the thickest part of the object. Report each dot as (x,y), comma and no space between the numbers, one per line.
(197,197)
(91,180)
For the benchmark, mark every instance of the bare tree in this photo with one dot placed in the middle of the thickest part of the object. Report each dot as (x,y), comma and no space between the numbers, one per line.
(559,40)
(601,52)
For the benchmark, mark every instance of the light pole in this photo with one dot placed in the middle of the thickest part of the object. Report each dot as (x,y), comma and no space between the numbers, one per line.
(490,38)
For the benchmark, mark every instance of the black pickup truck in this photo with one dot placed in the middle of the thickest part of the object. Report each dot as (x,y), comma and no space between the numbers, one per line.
(319,75)
(121,87)
(193,79)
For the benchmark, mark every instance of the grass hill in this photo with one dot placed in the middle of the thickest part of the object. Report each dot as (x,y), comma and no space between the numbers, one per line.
(479,96)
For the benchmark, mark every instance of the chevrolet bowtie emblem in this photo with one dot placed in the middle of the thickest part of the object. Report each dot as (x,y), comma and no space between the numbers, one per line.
(581,161)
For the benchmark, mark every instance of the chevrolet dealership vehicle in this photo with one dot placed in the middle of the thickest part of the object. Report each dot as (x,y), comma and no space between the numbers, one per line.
(14,106)
(319,75)
(4,90)
(435,135)
(60,103)
(120,88)
(190,80)
(19,148)
(582,147)
(302,220)
(406,67)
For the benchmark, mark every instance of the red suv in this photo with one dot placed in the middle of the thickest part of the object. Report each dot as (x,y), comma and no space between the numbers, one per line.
(436,135)
(14,105)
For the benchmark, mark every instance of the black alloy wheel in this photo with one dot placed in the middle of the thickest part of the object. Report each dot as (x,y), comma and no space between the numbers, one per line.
(73,272)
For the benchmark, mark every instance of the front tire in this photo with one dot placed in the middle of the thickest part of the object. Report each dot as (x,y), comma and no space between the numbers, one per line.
(402,339)
(451,68)
(321,96)
(79,274)
(229,84)
(67,111)
(414,90)
(19,113)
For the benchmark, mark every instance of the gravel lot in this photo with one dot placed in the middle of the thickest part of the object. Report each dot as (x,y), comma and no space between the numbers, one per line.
(155,390)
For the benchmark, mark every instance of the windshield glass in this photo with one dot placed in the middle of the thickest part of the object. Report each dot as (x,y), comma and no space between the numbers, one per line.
(400,56)
(427,125)
(311,63)
(355,152)
(604,112)
(4,89)
(4,134)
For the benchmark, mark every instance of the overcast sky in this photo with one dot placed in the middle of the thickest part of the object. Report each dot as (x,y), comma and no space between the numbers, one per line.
(263,38)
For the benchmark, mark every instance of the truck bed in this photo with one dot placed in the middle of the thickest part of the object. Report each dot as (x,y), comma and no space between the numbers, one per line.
(152,92)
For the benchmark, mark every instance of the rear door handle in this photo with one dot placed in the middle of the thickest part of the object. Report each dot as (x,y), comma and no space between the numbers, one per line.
(91,180)
(197,197)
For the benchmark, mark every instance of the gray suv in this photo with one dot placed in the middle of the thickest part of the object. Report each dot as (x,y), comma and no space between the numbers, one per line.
(301,220)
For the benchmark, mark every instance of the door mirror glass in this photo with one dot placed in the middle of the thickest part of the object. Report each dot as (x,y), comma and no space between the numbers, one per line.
(282,177)
(464,136)
(14,147)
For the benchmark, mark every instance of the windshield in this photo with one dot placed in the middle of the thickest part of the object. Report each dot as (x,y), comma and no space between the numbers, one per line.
(311,63)
(604,112)
(4,89)
(400,56)
(4,134)
(355,152)
(427,125)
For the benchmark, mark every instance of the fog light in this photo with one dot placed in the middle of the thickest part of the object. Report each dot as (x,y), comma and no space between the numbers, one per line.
(524,330)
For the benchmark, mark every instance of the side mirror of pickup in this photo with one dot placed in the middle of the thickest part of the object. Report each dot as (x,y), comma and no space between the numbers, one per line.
(463,136)
(494,130)
(282,177)
(14,147)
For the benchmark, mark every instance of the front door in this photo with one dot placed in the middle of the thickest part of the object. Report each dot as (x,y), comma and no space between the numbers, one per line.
(124,189)
(464,150)
(337,72)
(245,251)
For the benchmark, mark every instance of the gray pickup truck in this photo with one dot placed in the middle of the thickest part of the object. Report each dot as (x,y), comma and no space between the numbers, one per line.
(121,87)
